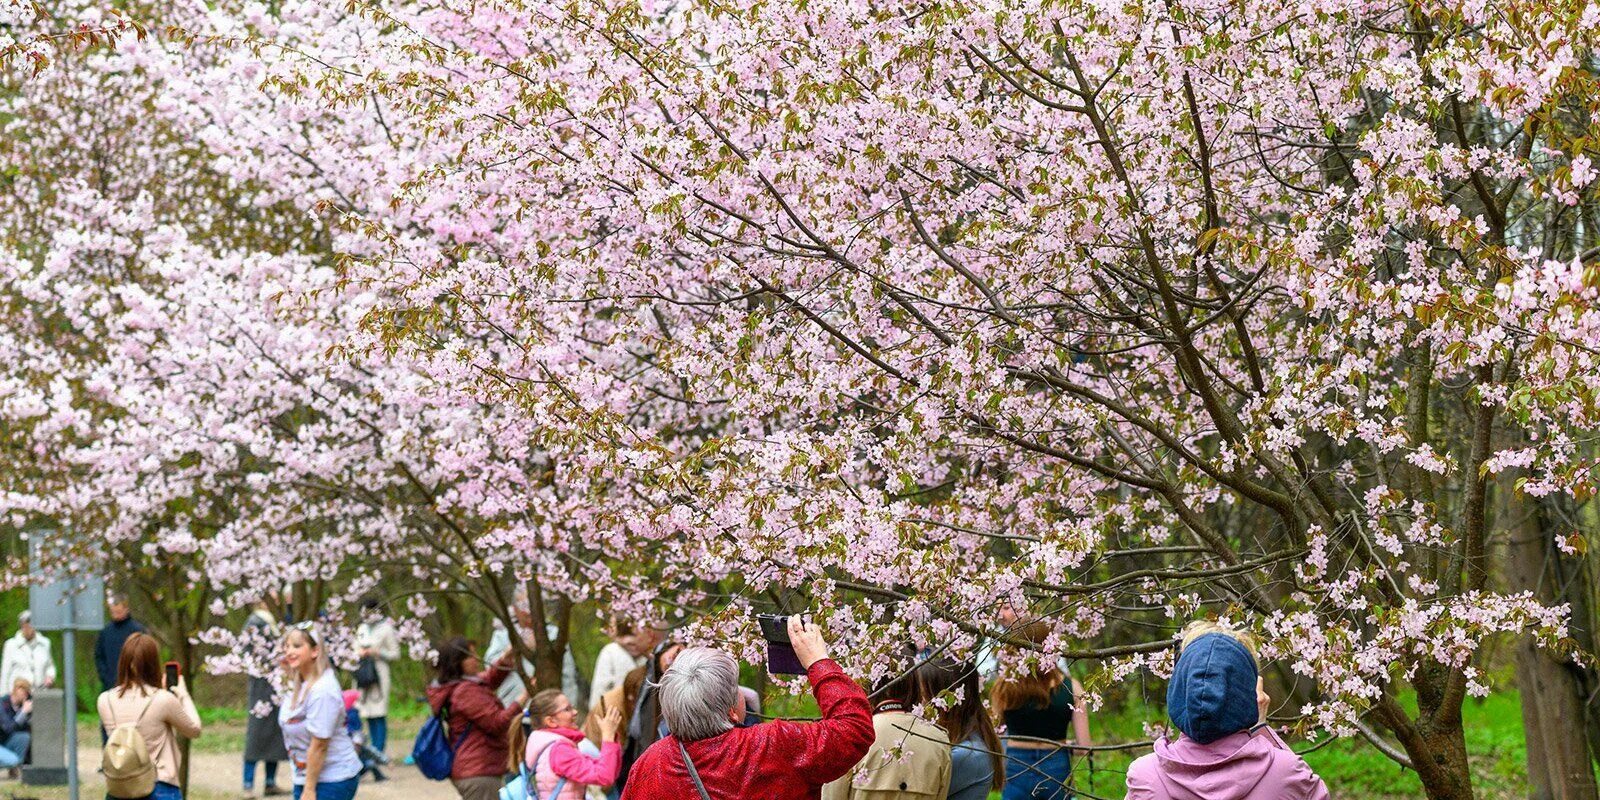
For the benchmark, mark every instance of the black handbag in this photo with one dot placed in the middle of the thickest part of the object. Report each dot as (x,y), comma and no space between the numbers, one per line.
(366,673)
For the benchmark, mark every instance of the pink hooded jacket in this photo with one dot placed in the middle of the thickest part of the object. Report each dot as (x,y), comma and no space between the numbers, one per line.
(552,754)
(1242,766)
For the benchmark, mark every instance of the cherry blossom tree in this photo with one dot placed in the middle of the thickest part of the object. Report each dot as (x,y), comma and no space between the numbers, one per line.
(190,391)
(912,313)
(1112,313)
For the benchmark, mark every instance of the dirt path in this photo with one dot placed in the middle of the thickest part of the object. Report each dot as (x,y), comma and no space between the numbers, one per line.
(217,776)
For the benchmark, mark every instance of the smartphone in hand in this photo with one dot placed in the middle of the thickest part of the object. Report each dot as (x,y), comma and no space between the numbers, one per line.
(172,675)
(781,659)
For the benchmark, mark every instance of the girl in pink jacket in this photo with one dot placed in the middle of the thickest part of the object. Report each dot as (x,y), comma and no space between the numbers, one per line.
(1225,750)
(556,768)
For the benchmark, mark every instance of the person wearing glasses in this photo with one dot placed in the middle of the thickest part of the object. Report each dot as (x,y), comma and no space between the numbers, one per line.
(558,770)
(326,766)
(478,723)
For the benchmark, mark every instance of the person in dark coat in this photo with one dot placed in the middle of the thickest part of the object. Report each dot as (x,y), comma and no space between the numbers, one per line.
(16,731)
(108,643)
(263,737)
(645,725)
(475,716)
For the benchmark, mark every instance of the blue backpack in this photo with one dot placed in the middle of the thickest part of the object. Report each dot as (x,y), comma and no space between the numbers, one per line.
(433,752)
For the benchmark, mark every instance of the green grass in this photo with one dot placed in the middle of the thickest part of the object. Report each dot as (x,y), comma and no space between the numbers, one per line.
(1351,767)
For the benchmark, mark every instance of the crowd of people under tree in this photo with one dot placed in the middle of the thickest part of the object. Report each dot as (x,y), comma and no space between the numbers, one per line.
(666,720)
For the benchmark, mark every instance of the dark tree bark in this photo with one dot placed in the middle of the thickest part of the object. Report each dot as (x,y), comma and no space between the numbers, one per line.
(1553,687)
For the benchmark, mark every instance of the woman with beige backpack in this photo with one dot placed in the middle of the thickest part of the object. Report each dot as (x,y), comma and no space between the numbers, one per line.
(143,716)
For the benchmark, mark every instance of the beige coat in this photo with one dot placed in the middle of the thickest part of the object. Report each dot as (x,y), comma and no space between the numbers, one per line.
(385,644)
(909,760)
(168,712)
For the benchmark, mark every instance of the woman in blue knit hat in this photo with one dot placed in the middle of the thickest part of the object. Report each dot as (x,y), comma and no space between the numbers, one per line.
(1225,749)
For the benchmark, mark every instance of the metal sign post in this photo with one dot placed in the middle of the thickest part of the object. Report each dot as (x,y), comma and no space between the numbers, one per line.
(68,603)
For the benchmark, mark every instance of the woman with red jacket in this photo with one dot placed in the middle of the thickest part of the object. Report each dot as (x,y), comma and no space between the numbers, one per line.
(779,760)
(465,694)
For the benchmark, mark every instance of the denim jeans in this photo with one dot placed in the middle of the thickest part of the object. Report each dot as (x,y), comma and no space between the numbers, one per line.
(15,749)
(270,767)
(163,791)
(378,733)
(1036,774)
(333,790)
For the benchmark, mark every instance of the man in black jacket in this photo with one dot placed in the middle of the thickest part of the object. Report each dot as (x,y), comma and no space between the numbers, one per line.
(108,644)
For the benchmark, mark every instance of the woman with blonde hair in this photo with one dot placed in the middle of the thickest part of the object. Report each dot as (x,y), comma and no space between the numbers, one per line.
(1225,750)
(557,767)
(1037,709)
(158,712)
(326,766)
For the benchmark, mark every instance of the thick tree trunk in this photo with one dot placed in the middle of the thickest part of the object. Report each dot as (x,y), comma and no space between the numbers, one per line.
(1435,741)
(1552,700)
(550,659)
(1448,776)
(1553,691)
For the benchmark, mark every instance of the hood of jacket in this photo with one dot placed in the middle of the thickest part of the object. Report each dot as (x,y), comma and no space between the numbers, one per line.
(1212,693)
(438,693)
(1229,768)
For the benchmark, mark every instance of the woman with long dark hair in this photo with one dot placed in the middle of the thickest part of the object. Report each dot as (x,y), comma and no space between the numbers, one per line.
(977,760)
(464,694)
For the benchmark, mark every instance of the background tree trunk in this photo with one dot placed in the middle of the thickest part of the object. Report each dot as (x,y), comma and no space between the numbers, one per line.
(1553,688)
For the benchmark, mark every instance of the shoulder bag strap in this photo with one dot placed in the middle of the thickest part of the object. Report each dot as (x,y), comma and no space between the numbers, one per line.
(147,704)
(694,774)
(532,779)
(444,712)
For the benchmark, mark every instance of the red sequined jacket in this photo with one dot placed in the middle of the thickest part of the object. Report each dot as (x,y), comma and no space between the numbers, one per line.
(775,760)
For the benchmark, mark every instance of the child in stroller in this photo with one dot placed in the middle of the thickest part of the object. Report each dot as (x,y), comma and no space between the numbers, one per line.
(370,758)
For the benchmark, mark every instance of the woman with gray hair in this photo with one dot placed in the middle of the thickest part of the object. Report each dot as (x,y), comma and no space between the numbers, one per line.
(709,757)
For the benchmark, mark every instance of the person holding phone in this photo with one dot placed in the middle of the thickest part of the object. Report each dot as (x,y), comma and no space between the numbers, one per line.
(160,710)
(707,756)
(465,695)
(326,766)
